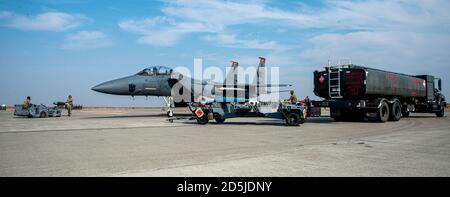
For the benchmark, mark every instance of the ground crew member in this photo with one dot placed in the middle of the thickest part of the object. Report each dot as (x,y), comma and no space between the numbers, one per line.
(308,105)
(293,98)
(307,101)
(69,105)
(27,103)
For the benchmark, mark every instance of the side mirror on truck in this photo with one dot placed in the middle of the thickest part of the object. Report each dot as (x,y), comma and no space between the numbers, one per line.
(439,84)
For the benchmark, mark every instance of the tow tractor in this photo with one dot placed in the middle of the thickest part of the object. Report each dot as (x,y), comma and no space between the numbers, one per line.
(225,108)
(37,111)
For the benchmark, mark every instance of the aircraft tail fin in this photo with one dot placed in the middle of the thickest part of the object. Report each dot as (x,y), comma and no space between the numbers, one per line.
(260,78)
(231,77)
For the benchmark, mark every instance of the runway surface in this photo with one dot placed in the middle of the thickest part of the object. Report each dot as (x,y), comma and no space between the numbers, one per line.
(125,142)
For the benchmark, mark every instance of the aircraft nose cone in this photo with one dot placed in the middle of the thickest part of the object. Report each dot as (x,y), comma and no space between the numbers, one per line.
(103,88)
(116,87)
(107,87)
(122,86)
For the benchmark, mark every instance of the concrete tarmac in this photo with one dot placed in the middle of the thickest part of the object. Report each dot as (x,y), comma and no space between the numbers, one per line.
(126,142)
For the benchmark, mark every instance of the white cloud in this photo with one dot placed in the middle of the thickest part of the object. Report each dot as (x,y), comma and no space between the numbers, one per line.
(230,40)
(396,32)
(47,21)
(160,38)
(5,14)
(185,17)
(389,49)
(394,35)
(87,40)
(221,14)
(159,31)
(145,26)
(383,15)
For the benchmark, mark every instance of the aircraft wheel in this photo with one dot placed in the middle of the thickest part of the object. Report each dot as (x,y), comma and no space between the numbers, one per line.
(170,113)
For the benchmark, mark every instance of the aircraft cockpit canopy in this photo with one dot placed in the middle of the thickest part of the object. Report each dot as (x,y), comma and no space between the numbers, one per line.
(156,70)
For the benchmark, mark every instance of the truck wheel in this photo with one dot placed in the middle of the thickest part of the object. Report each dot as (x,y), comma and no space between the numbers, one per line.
(292,119)
(396,112)
(43,115)
(219,118)
(203,120)
(441,113)
(383,112)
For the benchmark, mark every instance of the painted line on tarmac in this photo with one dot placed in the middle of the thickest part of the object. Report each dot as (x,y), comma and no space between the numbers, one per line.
(85,129)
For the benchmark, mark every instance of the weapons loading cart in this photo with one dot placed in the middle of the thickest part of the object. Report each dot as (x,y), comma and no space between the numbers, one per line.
(223,108)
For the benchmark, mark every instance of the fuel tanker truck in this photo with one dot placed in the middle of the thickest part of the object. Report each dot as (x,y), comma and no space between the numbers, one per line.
(354,93)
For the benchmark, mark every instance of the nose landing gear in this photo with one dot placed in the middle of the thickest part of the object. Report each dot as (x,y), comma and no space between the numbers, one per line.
(170,104)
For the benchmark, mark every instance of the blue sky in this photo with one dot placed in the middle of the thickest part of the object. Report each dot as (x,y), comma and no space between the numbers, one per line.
(50,48)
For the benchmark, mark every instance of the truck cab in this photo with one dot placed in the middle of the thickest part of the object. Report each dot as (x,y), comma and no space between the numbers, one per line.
(434,100)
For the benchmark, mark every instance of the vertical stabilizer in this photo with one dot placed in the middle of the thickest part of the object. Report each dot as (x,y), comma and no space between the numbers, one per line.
(231,78)
(261,77)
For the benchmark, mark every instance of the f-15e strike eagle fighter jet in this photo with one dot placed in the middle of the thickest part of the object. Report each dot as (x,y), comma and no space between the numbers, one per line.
(160,81)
